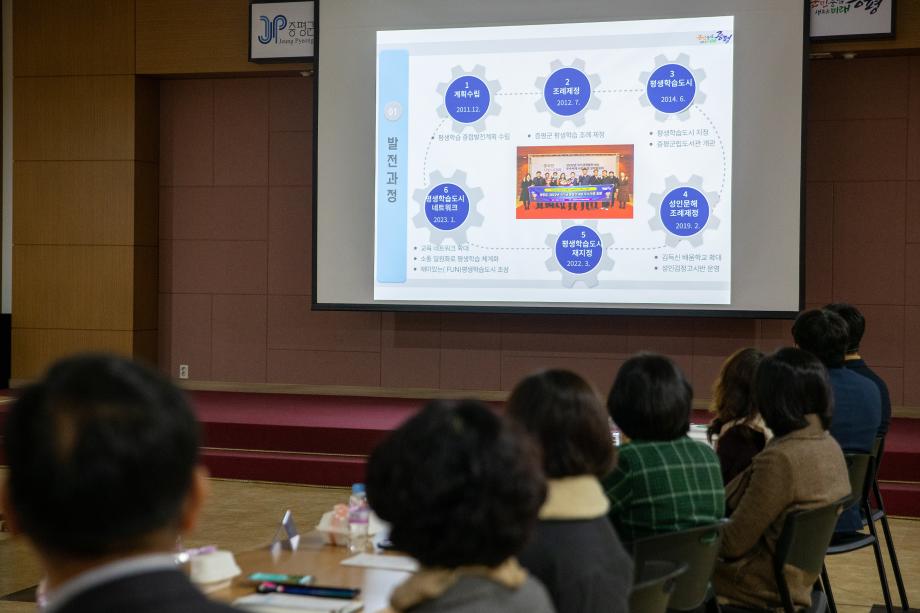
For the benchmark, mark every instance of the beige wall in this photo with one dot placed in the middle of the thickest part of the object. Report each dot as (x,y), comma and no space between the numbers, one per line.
(84,256)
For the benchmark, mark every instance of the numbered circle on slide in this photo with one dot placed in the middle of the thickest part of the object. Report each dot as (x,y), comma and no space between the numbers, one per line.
(671,88)
(567,91)
(467,99)
(685,211)
(447,207)
(579,249)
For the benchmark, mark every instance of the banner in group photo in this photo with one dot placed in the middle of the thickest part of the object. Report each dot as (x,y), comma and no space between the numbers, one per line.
(281,31)
(575,193)
(548,163)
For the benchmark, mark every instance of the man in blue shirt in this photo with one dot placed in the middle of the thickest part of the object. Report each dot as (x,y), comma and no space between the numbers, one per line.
(857,402)
(856,325)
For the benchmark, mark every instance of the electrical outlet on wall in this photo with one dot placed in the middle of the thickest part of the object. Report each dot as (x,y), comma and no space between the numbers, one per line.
(183,371)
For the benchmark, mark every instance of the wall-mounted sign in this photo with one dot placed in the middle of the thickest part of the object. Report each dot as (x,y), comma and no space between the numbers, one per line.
(843,19)
(281,31)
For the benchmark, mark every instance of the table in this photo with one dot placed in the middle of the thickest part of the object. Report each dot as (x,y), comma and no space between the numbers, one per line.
(314,557)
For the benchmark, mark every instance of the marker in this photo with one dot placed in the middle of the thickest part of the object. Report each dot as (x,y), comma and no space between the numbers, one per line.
(267,587)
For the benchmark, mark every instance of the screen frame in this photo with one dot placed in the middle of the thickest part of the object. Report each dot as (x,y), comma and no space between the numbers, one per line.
(497,309)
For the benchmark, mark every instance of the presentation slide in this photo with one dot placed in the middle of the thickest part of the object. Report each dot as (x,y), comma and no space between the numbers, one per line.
(556,163)
(638,156)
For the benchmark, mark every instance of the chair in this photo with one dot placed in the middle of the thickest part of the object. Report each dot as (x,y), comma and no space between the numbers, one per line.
(653,589)
(698,548)
(878,514)
(861,476)
(802,544)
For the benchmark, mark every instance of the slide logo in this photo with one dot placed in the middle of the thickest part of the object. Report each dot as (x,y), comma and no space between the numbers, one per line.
(712,39)
(272,27)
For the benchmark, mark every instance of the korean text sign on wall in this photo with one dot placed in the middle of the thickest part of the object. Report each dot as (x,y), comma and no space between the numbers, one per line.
(832,19)
(281,31)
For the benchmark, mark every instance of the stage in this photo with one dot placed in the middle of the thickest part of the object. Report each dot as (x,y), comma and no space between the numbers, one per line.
(325,440)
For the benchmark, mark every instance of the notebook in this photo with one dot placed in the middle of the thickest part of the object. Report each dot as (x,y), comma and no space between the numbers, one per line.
(287,603)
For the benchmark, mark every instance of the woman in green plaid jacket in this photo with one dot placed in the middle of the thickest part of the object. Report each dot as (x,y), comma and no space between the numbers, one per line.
(664,481)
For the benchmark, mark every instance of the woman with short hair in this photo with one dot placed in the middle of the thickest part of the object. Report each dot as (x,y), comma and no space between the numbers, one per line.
(461,490)
(802,467)
(664,481)
(574,550)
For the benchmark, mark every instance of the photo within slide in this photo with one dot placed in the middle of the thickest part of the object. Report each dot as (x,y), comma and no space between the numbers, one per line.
(570,163)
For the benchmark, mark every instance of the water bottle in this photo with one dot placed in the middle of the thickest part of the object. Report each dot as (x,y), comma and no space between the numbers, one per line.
(358,518)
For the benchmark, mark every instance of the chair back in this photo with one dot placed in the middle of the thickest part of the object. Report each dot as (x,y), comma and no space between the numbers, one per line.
(697,547)
(654,587)
(878,450)
(803,543)
(859,467)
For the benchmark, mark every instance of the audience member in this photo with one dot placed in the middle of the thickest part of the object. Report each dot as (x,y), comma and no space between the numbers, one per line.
(574,551)
(103,479)
(792,393)
(856,327)
(664,481)
(738,429)
(461,490)
(857,404)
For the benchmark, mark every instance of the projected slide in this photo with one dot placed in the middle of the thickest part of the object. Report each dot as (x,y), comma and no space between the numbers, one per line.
(570,163)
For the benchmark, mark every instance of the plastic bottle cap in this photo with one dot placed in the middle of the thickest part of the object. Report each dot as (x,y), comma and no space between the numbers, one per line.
(357,488)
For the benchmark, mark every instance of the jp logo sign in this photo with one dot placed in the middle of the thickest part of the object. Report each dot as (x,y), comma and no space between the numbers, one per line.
(272,28)
(281,31)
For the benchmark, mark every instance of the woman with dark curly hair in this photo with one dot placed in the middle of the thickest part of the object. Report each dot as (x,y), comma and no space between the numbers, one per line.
(738,428)
(461,490)
(574,551)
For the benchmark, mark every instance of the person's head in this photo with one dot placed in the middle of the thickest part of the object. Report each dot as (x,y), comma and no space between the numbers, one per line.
(584,171)
(555,174)
(527,177)
(458,484)
(572,175)
(622,175)
(856,323)
(731,393)
(539,174)
(823,333)
(789,385)
(650,399)
(595,172)
(604,173)
(103,461)
(567,418)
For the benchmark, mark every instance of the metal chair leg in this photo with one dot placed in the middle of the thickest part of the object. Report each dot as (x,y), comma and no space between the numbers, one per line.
(895,566)
(879,561)
(826,582)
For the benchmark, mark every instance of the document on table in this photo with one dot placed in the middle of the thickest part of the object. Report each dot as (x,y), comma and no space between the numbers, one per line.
(387,562)
(287,603)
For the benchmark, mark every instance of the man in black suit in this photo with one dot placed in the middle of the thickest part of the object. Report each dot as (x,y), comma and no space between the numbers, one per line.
(856,326)
(103,480)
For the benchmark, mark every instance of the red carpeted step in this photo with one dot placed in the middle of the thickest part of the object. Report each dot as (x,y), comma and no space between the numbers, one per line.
(901,499)
(901,461)
(308,469)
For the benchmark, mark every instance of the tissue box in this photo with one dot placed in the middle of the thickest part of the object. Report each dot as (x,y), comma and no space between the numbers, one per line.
(213,567)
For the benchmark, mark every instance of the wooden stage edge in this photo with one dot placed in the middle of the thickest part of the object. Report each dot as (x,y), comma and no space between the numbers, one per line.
(905,412)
